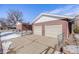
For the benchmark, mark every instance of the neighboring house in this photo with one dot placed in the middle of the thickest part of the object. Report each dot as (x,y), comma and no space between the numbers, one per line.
(52,25)
(23,26)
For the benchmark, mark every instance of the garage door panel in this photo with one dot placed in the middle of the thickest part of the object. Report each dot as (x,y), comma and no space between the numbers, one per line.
(37,30)
(54,36)
(53,30)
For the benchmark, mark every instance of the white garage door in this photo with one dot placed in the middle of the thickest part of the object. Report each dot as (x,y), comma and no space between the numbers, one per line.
(53,30)
(37,30)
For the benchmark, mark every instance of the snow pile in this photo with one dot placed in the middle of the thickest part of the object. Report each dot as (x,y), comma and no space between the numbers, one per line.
(5,38)
(6,45)
(76,36)
(72,48)
(57,52)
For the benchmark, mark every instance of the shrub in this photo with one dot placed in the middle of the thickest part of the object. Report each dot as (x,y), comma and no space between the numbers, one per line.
(76,30)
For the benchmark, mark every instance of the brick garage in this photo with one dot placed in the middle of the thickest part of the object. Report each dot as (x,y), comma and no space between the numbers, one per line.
(52,25)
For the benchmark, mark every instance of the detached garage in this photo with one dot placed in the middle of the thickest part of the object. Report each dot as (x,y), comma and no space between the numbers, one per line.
(52,25)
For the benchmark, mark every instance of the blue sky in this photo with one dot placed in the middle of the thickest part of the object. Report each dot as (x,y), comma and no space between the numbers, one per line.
(30,11)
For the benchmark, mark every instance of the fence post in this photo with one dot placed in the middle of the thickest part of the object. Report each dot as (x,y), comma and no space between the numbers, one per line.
(61,42)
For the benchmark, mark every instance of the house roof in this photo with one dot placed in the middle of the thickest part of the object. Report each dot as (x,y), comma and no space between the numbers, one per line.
(52,15)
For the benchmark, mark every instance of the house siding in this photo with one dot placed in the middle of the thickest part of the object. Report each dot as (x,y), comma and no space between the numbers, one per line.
(45,19)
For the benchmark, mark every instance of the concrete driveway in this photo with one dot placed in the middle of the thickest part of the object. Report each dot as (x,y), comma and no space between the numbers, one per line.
(32,44)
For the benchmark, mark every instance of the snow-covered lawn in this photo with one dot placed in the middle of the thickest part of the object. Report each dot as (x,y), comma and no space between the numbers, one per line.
(3,33)
(6,37)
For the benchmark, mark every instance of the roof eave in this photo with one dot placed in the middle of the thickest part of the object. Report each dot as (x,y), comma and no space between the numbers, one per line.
(52,15)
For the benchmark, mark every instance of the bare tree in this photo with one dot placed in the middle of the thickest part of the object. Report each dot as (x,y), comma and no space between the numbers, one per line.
(14,16)
(3,22)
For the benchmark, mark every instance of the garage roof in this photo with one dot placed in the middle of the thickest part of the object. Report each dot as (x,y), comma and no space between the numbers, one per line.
(37,19)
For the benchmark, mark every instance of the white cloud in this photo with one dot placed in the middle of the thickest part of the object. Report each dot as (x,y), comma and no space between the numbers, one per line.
(56,11)
(62,9)
(66,10)
(73,11)
(69,13)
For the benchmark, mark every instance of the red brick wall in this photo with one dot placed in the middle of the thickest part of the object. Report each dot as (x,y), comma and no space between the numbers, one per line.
(23,27)
(19,26)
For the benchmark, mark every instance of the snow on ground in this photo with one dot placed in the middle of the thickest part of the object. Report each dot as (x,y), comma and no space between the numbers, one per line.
(6,45)
(76,36)
(8,37)
(58,52)
(72,48)
(5,37)
(3,33)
